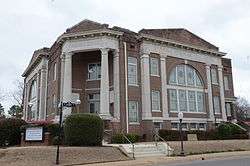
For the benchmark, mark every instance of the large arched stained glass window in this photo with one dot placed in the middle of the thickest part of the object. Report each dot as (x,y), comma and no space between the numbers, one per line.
(186,90)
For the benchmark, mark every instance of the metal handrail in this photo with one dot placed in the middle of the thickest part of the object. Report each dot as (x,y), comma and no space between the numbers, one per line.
(156,135)
(133,146)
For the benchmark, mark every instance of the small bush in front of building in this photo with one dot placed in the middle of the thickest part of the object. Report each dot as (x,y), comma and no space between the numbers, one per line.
(120,139)
(10,132)
(231,131)
(172,135)
(83,130)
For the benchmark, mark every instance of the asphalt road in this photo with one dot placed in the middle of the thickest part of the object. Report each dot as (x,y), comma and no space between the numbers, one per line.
(236,161)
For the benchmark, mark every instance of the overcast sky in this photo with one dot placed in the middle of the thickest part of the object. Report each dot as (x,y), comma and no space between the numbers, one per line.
(26,25)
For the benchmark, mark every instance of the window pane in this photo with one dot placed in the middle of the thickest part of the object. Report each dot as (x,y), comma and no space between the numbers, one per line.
(133,111)
(181,74)
(228,109)
(216,104)
(226,83)
(182,100)
(154,66)
(191,101)
(193,126)
(173,100)
(172,78)
(174,125)
(200,102)
(155,100)
(94,71)
(190,75)
(132,70)
(214,76)
(98,71)
(198,80)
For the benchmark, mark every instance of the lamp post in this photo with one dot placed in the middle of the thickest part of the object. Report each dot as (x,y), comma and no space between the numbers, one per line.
(180,117)
(60,108)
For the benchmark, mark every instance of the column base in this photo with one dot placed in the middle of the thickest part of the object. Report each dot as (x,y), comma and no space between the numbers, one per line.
(105,116)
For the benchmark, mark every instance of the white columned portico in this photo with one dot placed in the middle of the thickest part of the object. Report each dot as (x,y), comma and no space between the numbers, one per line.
(116,85)
(209,92)
(145,84)
(222,96)
(67,81)
(164,88)
(104,91)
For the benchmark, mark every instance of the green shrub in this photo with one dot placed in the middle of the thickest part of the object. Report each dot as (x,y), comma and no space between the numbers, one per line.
(83,130)
(53,129)
(231,131)
(10,132)
(172,135)
(120,139)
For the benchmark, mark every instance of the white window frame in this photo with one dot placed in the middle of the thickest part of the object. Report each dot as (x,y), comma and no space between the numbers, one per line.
(136,71)
(158,102)
(226,82)
(97,72)
(196,126)
(228,110)
(94,101)
(154,73)
(137,112)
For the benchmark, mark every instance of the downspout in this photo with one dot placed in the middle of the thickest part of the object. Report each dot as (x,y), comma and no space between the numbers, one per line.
(126,84)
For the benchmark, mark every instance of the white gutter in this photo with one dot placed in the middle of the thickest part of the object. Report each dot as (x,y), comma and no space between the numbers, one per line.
(126,84)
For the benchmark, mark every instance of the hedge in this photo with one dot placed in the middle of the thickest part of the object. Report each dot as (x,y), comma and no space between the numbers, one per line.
(10,132)
(83,130)
(222,132)
(120,139)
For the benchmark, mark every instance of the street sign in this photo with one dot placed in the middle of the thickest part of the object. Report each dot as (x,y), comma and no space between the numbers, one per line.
(68,104)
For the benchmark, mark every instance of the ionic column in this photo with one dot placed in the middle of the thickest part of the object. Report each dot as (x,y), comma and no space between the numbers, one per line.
(145,84)
(104,91)
(209,92)
(164,88)
(116,85)
(67,82)
(222,97)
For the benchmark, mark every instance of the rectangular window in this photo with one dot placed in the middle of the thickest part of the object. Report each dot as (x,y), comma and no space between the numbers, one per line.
(172,78)
(174,126)
(94,103)
(184,126)
(200,102)
(181,74)
(228,109)
(214,76)
(133,112)
(94,71)
(154,66)
(173,100)
(226,83)
(193,126)
(202,126)
(132,71)
(216,101)
(155,100)
(55,71)
(182,100)
(191,101)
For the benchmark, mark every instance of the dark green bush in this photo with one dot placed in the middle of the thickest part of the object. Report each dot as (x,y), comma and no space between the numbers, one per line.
(231,131)
(10,132)
(172,135)
(53,129)
(120,139)
(83,130)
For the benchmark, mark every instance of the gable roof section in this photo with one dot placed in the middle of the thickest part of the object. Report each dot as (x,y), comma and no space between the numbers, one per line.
(86,25)
(180,35)
(37,55)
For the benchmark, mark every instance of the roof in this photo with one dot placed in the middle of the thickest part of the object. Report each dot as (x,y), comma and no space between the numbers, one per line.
(180,35)
(43,52)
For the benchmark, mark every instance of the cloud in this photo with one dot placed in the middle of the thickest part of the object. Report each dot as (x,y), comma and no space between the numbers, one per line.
(32,24)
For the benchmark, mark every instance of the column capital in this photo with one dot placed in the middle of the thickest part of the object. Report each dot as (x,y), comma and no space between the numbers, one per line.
(104,51)
(163,58)
(220,68)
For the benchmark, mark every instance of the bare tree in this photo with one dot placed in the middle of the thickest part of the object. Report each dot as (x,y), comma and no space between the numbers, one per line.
(242,107)
(2,95)
(17,94)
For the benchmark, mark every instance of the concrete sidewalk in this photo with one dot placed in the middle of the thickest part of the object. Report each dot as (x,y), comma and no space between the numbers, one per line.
(149,161)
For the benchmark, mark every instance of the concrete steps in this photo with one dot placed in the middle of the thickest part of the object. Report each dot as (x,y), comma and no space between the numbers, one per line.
(147,149)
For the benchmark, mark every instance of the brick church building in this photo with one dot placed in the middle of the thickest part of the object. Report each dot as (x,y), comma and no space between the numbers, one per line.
(135,81)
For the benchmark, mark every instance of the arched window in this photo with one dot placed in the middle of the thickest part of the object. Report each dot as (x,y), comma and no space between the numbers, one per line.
(33,89)
(186,90)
